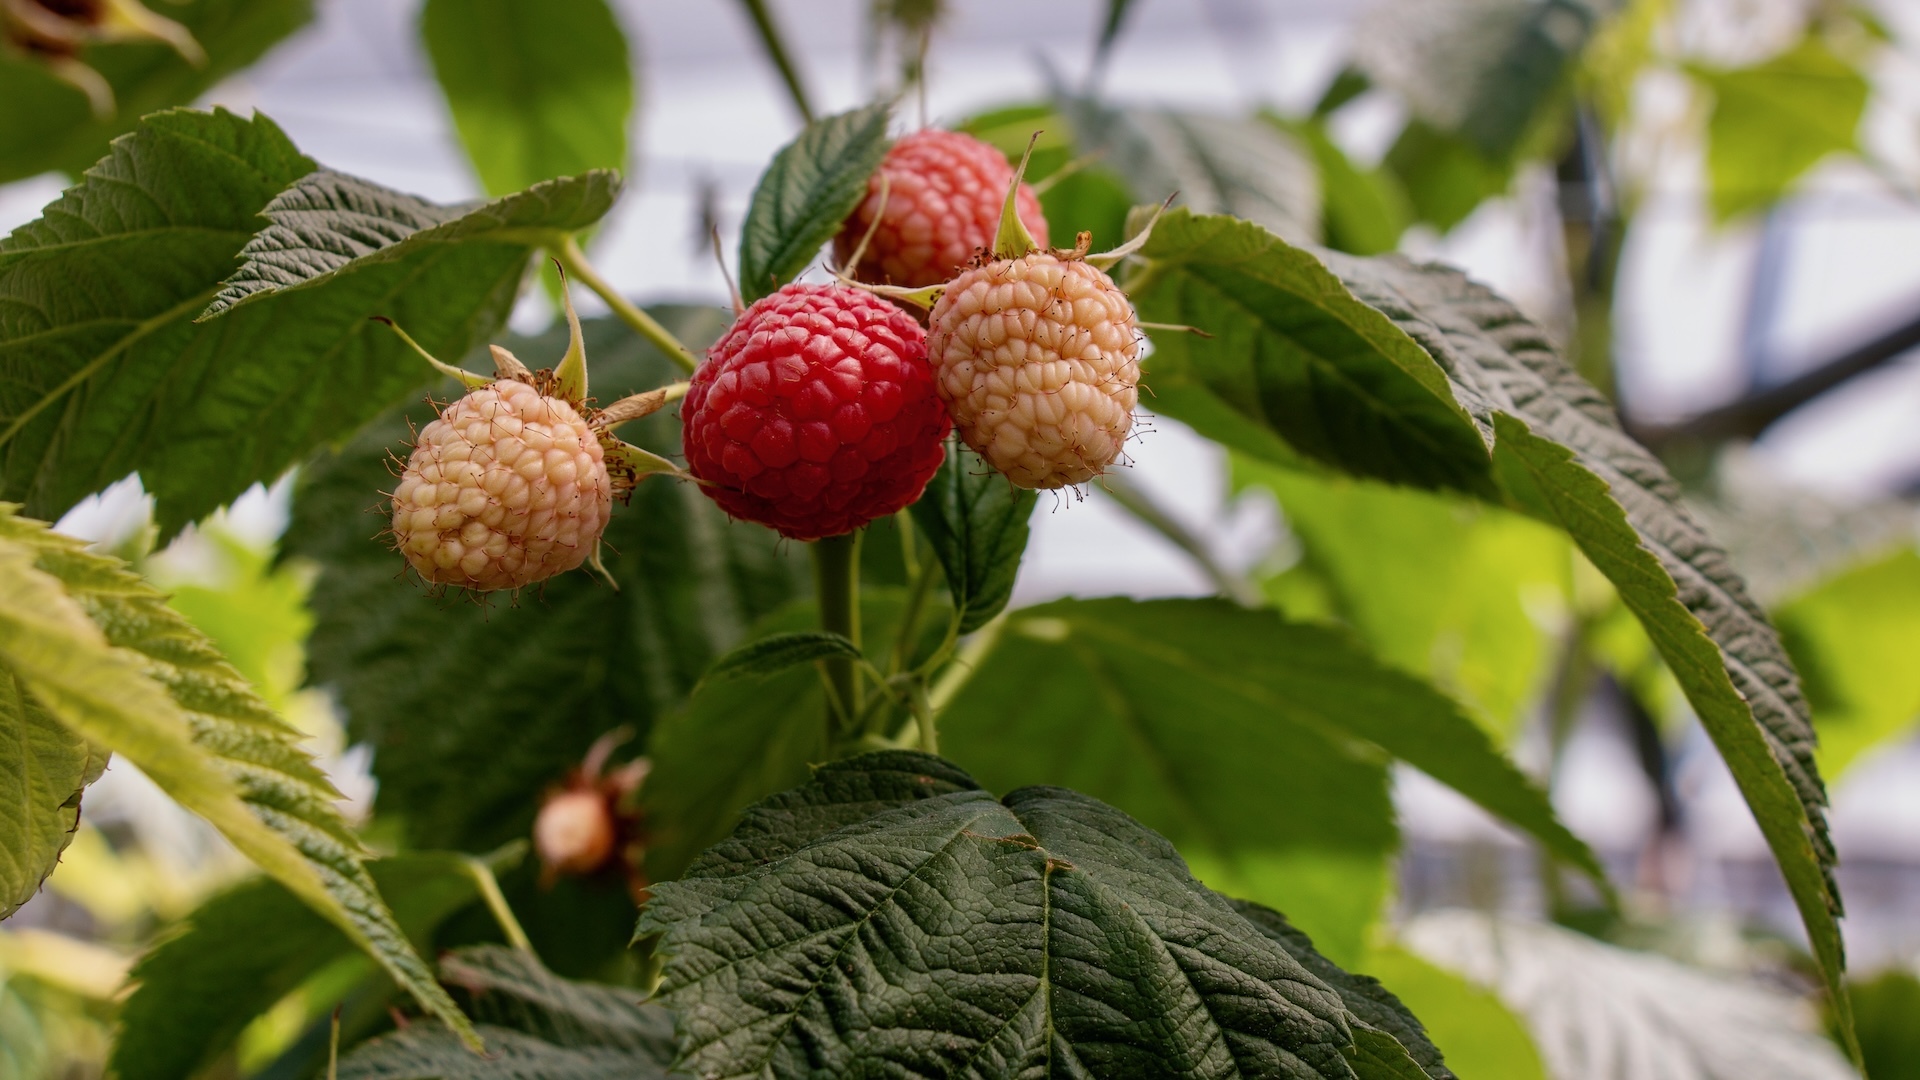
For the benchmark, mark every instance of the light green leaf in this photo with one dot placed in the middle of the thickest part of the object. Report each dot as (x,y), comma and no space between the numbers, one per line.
(892,912)
(1238,735)
(1775,120)
(1294,344)
(535,682)
(776,653)
(536,1026)
(48,124)
(1458,606)
(1854,637)
(52,768)
(1482,1039)
(246,949)
(812,185)
(1363,211)
(99,648)
(539,88)
(977,524)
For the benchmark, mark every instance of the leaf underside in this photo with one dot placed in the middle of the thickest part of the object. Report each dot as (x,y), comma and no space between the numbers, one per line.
(890,915)
(1436,382)
(103,652)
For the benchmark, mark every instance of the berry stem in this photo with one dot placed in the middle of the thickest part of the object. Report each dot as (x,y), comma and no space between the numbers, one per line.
(923,716)
(496,902)
(836,576)
(574,261)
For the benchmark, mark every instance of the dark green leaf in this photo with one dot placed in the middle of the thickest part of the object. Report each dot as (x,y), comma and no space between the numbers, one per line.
(977,524)
(48,124)
(812,185)
(891,915)
(1491,378)
(539,88)
(1218,164)
(737,742)
(1858,630)
(1887,1004)
(472,711)
(329,225)
(1372,1003)
(537,1027)
(776,653)
(119,376)
(1775,120)
(246,949)
(1243,738)
(51,767)
(100,649)
(1445,177)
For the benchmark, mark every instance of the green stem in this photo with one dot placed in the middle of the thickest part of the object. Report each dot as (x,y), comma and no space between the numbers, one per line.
(910,618)
(574,261)
(496,902)
(923,716)
(1234,587)
(776,46)
(836,576)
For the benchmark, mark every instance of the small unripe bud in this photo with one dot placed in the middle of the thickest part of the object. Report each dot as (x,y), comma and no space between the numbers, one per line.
(575,831)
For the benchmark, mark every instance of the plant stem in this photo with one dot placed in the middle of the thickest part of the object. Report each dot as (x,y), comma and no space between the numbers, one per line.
(496,902)
(836,576)
(922,585)
(574,261)
(923,716)
(776,46)
(1234,587)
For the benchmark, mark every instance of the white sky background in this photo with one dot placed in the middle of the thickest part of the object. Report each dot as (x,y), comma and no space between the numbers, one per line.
(356,92)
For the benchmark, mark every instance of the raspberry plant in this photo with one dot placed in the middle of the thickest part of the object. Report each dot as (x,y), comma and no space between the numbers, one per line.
(868,817)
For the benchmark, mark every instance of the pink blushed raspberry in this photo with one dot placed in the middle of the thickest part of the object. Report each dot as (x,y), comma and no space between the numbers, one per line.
(943,196)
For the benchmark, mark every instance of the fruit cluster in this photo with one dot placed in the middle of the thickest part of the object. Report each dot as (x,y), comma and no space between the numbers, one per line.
(824,407)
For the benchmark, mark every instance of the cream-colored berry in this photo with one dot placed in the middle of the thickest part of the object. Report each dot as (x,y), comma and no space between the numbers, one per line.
(1038,361)
(508,487)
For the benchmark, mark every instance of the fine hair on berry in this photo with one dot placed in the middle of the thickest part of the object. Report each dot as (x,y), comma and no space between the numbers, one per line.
(815,413)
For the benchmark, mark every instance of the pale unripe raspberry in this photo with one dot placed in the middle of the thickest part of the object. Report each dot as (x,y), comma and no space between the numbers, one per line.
(1038,361)
(575,831)
(508,487)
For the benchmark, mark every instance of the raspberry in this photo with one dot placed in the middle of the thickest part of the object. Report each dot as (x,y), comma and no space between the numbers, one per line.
(944,191)
(574,832)
(1038,359)
(506,488)
(815,413)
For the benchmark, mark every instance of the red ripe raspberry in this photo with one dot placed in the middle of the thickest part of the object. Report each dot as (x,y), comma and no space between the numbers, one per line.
(815,413)
(944,193)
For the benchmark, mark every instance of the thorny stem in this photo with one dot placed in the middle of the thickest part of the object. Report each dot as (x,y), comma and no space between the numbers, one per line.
(574,262)
(836,576)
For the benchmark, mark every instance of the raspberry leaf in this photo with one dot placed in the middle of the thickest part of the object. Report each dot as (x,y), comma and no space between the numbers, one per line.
(977,524)
(1252,717)
(536,1025)
(47,124)
(246,949)
(736,741)
(813,183)
(1775,120)
(891,911)
(538,680)
(537,90)
(776,653)
(1436,382)
(101,652)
